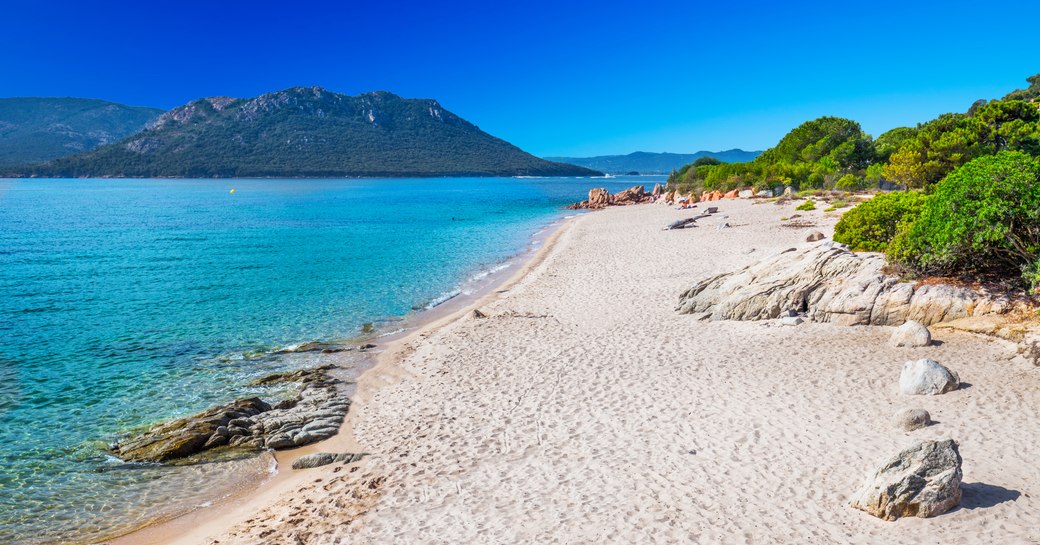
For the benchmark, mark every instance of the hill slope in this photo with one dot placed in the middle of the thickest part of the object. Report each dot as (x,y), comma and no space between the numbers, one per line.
(34,130)
(653,163)
(310,132)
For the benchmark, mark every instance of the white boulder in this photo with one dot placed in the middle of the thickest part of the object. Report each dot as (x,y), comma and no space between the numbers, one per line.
(911,334)
(927,377)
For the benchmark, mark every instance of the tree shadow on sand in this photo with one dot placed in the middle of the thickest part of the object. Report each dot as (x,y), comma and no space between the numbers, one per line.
(981,495)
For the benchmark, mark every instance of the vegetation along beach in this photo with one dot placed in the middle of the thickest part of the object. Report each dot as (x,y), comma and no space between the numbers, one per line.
(554,273)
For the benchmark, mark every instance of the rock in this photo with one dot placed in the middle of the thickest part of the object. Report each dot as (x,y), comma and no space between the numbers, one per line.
(746,194)
(279,441)
(722,226)
(927,377)
(247,424)
(657,190)
(478,314)
(832,285)
(764,193)
(911,334)
(836,245)
(788,192)
(790,320)
(632,195)
(924,480)
(815,236)
(313,346)
(319,459)
(731,195)
(185,436)
(912,419)
(598,197)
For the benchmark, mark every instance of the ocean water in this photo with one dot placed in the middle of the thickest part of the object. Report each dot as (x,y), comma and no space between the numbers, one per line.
(127,302)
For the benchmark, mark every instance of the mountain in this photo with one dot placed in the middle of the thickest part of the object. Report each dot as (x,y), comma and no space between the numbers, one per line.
(34,130)
(653,163)
(309,132)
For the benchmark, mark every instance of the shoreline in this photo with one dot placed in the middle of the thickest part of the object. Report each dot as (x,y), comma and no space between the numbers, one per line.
(187,526)
(580,407)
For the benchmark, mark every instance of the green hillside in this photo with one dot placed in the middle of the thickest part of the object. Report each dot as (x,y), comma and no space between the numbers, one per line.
(309,132)
(34,130)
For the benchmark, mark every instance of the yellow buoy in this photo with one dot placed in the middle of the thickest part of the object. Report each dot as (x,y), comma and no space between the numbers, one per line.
(232,191)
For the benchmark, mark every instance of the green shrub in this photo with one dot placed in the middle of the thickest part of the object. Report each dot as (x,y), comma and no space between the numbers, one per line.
(872,225)
(849,182)
(982,219)
(807,205)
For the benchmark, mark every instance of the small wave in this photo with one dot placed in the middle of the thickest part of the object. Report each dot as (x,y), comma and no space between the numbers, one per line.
(439,300)
(394,332)
(488,272)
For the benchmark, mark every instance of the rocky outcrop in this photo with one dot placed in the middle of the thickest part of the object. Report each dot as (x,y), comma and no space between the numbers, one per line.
(912,419)
(632,195)
(598,197)
(911,334)
(815,236)
(927,377)
(827,283)
(1021,328)
(319,459)
(658,189)
(247,424)
(924,480)
(601,198)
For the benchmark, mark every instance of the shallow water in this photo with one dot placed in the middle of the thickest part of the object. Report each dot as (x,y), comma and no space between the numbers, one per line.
(126,302)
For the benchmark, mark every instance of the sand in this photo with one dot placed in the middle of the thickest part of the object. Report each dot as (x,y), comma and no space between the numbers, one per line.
(584,409)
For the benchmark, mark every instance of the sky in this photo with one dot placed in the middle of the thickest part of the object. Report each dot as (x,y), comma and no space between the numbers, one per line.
(552,77)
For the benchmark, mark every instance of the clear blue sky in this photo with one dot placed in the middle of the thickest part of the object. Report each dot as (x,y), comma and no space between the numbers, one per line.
(555,78)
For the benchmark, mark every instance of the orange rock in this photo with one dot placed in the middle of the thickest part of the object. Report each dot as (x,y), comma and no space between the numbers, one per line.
(732,194)
(598,198)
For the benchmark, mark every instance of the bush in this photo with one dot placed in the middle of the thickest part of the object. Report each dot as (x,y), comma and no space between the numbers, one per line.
(982,219)
(807,205)
(872,225)
(849,182)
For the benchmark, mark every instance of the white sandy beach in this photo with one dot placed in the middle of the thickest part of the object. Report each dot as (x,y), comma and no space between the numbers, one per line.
(584,409)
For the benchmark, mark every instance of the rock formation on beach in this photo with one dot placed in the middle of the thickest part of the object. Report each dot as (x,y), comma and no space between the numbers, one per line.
(911,334)
(830,284)
(247,424)
(601,198)
(319,459)
(923,480)
(912,419)
(927,377)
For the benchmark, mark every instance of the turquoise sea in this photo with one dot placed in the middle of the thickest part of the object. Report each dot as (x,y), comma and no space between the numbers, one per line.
(127,302)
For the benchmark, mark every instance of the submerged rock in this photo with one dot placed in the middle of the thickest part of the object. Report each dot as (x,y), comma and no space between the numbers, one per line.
(911,334)
(830,284)
(927,377)
(247,424)
(187,436)
(924,480)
